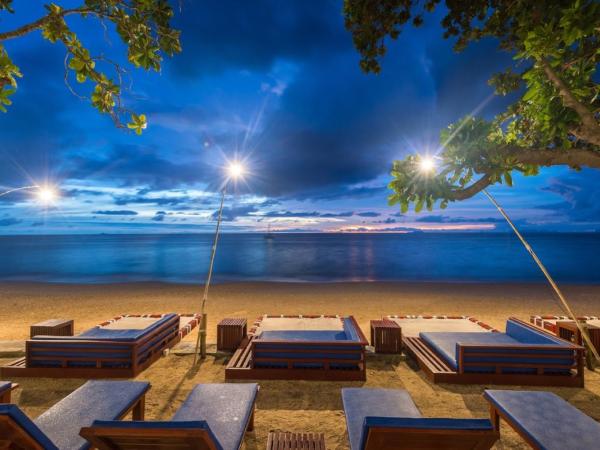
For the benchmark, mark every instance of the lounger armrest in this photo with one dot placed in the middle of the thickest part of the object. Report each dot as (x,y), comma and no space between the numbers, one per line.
(109,434)
(379,432)
(535,357)
(21,431)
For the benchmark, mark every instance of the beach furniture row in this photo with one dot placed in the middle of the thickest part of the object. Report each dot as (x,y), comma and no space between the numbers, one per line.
(448,349)
(217,416)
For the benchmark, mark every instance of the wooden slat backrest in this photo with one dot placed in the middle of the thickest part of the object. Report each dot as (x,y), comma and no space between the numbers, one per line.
(107,438)
(12,436)
(419,438)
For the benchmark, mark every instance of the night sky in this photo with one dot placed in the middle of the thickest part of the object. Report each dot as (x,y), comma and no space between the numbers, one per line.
(276,84)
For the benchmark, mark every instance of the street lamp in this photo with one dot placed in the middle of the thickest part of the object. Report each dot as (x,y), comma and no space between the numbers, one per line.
(45,194)
(427,166)
(234,171)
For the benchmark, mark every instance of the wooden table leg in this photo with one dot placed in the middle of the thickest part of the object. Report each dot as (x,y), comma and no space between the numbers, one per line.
(139,410)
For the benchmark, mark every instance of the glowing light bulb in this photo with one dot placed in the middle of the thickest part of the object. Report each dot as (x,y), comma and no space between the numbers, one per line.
(426,164)
(46,195)
(235,170)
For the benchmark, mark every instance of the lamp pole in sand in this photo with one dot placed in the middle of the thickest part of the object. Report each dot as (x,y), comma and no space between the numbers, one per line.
(234,171)
(427,165)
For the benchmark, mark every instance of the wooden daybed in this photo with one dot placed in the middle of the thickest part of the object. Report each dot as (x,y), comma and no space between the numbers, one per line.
(328,355)
(523,355)
(109,350)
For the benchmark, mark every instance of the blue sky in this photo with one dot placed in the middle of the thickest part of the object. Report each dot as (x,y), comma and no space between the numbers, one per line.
(278,85)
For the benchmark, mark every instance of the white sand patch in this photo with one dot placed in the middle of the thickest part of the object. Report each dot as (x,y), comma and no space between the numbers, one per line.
(131,323)
(411,327)
(300,323)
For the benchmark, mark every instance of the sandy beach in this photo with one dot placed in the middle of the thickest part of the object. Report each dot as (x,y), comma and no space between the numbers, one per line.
(282,405)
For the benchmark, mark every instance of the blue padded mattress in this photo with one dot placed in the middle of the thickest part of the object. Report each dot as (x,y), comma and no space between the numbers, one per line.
(304,335)
(445,343)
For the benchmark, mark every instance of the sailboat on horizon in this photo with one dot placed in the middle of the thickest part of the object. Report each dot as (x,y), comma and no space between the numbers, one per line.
(269,235)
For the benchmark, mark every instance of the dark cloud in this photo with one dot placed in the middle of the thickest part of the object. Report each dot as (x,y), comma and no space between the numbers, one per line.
(235,34)
(233,212)
(8,221)
(580,196)
(447,219)
(159,216)
(119,212)
(368,214)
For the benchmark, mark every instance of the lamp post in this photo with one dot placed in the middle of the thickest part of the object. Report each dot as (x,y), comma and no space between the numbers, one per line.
(235,170)
(427,166)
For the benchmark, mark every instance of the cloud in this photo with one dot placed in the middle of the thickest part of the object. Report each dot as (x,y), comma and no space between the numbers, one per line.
(368,214)
(579,194)
(118,212)
(9,221)
(236,35)
(447,219)
(159,216)
(232,213)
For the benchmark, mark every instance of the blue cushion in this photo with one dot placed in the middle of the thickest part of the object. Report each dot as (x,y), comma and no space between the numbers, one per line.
(225,407)
(350,330)
(546,419)
(5,386)
(95,400)
(28,426)
(445,342)
(427,423)
(126,335)
(303,335)
(99,333)
(360,403)
(529,335)
(157,425)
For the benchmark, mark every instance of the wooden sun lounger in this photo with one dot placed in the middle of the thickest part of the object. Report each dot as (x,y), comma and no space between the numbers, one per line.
(296,359)
(544,420)
(89,357)
(6,388)
(521,364)
(213,417)
(388,419)
(279,440)
(58,428)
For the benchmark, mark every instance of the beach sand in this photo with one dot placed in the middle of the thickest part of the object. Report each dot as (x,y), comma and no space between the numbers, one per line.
(297,405)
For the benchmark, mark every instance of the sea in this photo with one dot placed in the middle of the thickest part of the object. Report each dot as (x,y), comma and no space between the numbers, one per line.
(184,258)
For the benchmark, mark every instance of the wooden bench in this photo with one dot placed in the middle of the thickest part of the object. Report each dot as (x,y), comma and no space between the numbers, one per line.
(279,440)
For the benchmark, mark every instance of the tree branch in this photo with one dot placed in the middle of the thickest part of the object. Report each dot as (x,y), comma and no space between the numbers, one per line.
(574,157)
(28,28)
(589,130)
(539,157)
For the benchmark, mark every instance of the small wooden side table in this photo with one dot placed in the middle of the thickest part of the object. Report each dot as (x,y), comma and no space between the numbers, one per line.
(386,336)
(230,334)
(52,327)
(568,331)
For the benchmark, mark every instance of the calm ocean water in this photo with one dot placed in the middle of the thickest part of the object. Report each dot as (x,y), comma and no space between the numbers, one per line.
(467,257)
